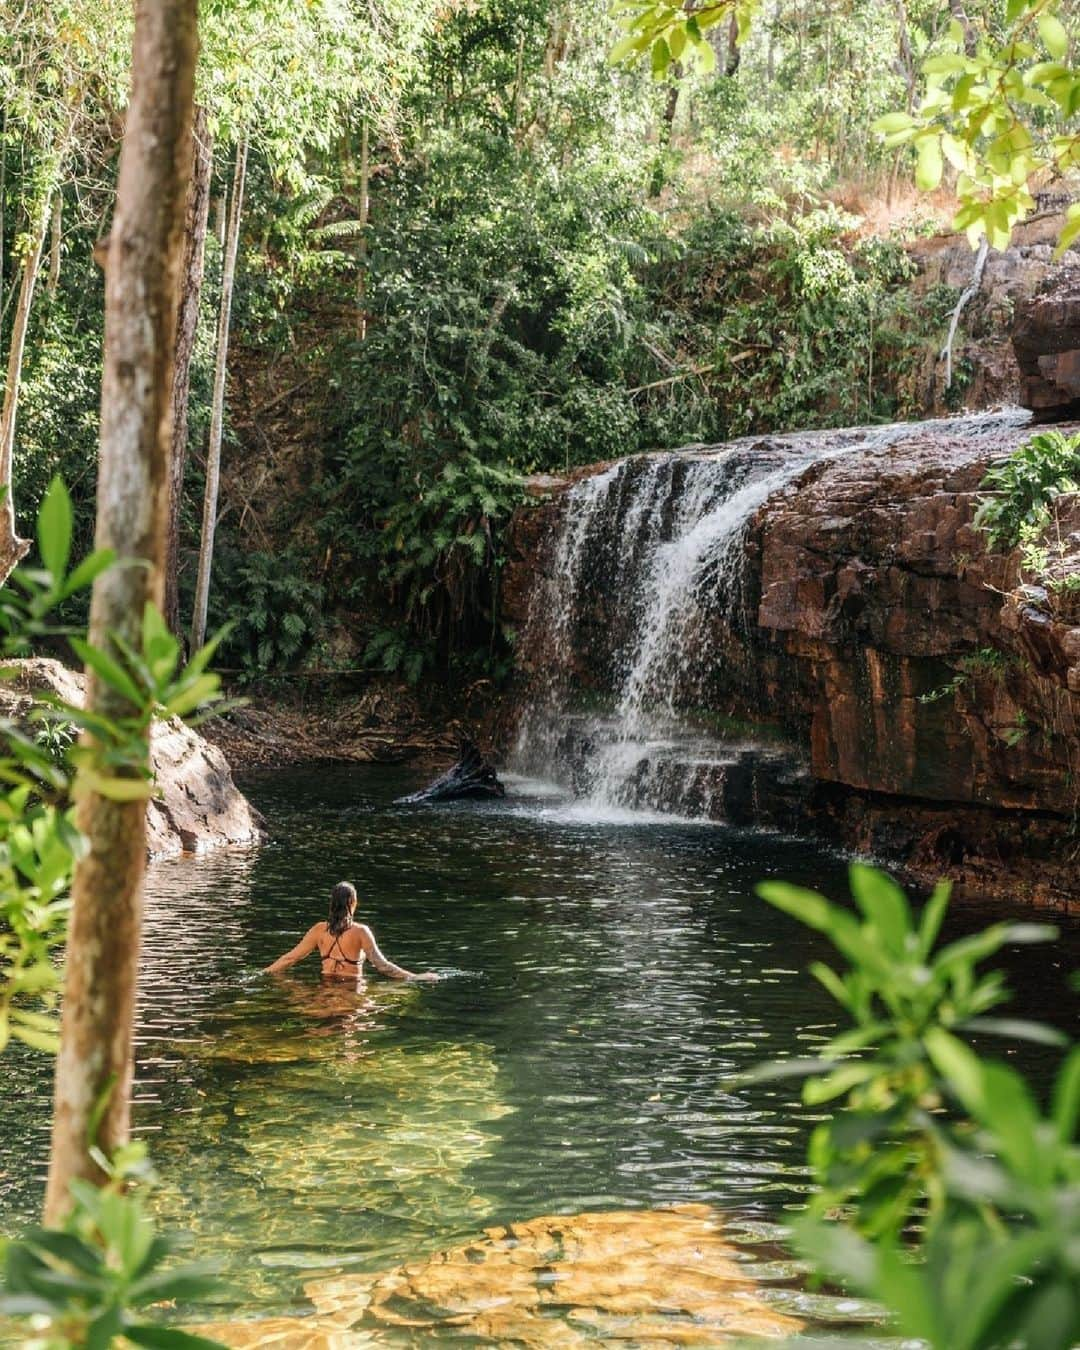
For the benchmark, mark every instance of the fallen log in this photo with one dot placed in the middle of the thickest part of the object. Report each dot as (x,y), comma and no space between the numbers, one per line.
(471,776)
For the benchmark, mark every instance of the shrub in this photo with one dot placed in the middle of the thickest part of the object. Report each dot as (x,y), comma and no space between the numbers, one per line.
(1025,485)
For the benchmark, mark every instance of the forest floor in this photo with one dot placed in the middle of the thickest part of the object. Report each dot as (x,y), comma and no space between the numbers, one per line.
(385,723)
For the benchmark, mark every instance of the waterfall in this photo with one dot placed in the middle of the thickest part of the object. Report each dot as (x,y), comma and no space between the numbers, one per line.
(643,598)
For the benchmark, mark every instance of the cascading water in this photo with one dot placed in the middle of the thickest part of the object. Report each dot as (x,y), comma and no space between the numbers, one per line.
(646,578)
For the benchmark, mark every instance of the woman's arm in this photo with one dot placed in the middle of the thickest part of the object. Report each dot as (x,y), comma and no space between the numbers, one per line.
(381,963)
(307,944)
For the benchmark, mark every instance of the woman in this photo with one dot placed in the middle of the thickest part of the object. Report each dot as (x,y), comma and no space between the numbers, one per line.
(342,944)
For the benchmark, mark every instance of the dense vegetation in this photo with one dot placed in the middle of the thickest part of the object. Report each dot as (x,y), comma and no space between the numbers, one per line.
(475,250)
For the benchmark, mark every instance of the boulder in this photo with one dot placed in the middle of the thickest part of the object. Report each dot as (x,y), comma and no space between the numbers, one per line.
(1046,340)
(198,806)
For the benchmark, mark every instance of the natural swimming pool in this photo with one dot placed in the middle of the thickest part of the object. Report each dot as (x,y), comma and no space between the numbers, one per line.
(606,978)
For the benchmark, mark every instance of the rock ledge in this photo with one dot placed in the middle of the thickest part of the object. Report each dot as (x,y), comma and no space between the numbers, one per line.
(199,806)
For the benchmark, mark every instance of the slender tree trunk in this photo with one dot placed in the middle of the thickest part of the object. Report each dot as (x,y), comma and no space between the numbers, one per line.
(3,202)
(734,55)
(12,548)
(666,134)
(54,243)
(94,1066)
(365,210)
(217,410)
(187,323)
(956,9)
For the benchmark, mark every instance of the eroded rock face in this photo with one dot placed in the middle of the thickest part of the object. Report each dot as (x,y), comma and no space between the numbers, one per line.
(1046,340)
(935,699)
(986,372)
(199,807)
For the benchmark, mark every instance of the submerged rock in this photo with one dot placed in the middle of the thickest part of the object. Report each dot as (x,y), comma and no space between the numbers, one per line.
(650,1278)
(199,806)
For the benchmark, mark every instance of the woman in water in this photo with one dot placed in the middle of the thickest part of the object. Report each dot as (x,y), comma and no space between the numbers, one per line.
(342,944)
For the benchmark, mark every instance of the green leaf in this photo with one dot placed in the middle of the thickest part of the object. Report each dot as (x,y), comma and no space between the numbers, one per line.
(109,671)
(1055,38)
(928,166)
(54,524)
(883,903)
(931,918)
(1018,1028)
(46,1041)
(184,1284)
(1065,1106)
(104,1329)
(65,1247)
(828,977)
(960,1067)
(805,905)
(892,123)
(88,571)
(169,1338)
(841,1080)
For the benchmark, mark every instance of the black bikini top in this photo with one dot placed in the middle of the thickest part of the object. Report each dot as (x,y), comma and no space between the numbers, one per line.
(341,959)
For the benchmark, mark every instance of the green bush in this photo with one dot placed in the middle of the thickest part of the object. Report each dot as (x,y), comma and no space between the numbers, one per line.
(1025,486)
(945,1191)
(272,611)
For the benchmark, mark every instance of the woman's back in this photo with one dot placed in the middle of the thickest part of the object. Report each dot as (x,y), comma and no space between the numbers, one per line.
(342,954)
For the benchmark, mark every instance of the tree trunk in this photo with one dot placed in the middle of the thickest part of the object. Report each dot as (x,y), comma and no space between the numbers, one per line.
(187,322)
(365,210)
(12,548)
(666,134)
(94,1066)
(217,409)
(734,55)
(54,243)
(971,41)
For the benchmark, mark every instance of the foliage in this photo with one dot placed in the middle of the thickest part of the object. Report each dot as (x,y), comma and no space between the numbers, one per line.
(1001,109)
(39,844)
(1025,486)
(271,612)
(676,33)
(95,1277)
(964,1224)
(93,1281)
(879,1154)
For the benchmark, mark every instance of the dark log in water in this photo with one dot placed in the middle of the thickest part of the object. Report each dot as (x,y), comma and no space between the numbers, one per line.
(471,776)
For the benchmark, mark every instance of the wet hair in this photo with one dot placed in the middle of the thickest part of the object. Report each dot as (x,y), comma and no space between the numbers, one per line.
(342,897)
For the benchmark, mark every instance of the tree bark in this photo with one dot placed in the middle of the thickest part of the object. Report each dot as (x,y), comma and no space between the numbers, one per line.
(365,211)
(187,322)
(734,54)
(94,1066)
(54,243)
(12,548)
(217,409)
(665,134)
(971,41)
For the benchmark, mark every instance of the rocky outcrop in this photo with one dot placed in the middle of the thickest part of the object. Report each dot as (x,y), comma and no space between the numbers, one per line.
(987,372)
(198,806)
(1046,340)
(934,697)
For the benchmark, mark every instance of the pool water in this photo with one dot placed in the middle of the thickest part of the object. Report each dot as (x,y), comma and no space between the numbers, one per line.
(604,979)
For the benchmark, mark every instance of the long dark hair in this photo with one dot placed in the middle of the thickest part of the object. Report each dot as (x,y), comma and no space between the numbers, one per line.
(342,898)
